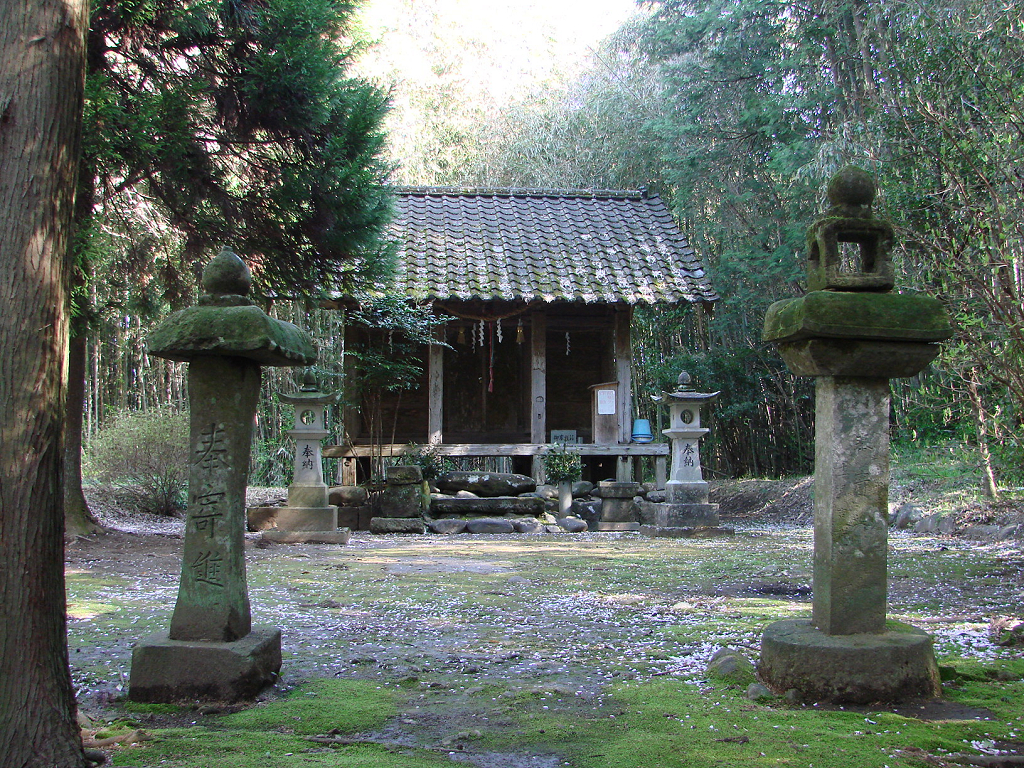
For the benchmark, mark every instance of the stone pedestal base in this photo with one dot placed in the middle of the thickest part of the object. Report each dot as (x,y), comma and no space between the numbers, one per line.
(856,669)
(292,518)
(339,536)
(168,671)
(613,525)
(689,532)
(669,515)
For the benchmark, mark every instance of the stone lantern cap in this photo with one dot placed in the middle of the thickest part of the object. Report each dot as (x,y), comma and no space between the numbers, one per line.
(685,393)
(849,324)
(835,315)
(850,222)
(308,394)
(226,323)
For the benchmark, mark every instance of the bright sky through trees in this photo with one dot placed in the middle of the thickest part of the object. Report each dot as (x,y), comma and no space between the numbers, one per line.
(454,63)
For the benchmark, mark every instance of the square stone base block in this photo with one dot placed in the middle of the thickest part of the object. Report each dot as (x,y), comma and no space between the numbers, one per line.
(356,518)
(168,671)
(606,525)
(685,532)
(857,669)
(670,515)
(292,518)
(340,536)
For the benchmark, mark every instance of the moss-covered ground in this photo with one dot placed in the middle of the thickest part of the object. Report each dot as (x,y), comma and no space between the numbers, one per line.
(584,650)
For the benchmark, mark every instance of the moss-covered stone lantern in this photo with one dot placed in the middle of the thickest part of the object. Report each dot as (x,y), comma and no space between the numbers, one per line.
(853,335)
(212,651)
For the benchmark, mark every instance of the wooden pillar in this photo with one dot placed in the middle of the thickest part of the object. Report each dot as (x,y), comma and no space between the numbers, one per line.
(435,394)
(346,471)
(538,384)
(624,371)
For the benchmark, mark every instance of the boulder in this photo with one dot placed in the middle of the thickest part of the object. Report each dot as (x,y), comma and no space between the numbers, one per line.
(547,491)
(448,525)
(347,495)
(407,474)
(486,483)
(588,510)
(581,488)
(906,516)
(528,525)
(572,524)
(490,525)
(732,667)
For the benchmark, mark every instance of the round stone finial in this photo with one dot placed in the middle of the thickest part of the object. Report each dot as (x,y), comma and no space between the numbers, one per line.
(852,186)
(308,381)
(226,274)
(684,380)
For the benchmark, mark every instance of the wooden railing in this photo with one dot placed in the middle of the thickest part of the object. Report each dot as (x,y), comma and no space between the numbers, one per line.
(349,454)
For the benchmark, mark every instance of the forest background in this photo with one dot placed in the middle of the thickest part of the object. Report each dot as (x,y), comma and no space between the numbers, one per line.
(735,111)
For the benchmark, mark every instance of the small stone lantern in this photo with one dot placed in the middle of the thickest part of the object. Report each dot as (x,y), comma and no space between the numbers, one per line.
(686,508)
(686,483)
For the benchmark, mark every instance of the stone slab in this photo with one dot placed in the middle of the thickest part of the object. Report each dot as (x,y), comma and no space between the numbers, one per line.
(385,525)
(668,515)
(857,315)
(499,505)
(698,532)
(619,510)
(356,518)
(854,357)
(339,536)
(612,526)
(610,489)
(170,671)
(891,666)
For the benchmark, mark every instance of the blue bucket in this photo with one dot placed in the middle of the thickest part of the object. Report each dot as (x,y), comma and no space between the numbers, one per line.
(642,431)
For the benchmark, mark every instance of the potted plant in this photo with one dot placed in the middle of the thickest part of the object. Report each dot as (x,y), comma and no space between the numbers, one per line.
(562,467)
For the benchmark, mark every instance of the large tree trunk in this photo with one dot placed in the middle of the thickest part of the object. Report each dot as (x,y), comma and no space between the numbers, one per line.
(42,59)
(78,519)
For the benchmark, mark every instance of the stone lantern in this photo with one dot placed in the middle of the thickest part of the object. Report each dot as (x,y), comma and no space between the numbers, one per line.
(853,335)
(686,508)
(212,650)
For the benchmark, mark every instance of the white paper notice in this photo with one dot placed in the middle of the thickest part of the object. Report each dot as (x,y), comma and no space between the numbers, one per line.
(605,402)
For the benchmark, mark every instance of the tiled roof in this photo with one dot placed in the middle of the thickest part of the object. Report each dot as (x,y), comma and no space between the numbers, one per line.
(547,245)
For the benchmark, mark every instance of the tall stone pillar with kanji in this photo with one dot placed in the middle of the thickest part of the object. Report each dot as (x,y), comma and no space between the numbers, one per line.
(212,651)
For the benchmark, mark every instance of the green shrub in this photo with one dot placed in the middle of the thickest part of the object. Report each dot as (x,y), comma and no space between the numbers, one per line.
(427,459)
(562,464)
(144,457)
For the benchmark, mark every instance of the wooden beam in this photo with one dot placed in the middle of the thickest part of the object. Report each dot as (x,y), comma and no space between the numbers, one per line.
(624,371)
(435,393)
(538,376)
(499,449)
